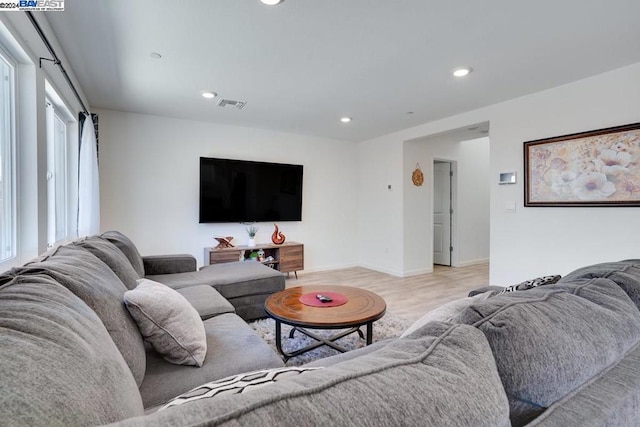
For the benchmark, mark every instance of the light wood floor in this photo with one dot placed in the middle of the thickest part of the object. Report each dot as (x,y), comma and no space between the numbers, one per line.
(408,297)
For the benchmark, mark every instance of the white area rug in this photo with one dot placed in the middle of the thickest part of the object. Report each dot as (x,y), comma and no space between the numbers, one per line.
(388,327)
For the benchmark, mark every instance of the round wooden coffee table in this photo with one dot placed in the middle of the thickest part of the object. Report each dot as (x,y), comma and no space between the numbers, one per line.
(362,308)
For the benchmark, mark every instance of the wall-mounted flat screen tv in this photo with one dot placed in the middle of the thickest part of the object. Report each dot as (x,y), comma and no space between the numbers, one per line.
(245,191)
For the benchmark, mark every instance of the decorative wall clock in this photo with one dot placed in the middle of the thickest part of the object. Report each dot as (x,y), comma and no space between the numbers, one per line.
(417,176)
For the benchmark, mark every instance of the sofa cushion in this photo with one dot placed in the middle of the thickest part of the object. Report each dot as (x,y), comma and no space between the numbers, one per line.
(250,307)
(128,248)
(97,285)
(109,253)
(206,300)
(231,279)
(440,375)
(447,312)
(550,340)
(233,347)
(58,365)
(611,399)
(168,322)
(626,274)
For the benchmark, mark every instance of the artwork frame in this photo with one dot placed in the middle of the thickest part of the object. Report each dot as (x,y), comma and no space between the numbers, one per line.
(598,168)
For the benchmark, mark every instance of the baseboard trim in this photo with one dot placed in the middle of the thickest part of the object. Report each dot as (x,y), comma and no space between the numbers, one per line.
(473,262)
(395,273)
(327,268)
(382,270)
(418,272)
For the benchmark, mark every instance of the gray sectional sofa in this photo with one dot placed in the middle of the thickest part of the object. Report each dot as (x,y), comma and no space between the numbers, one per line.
(564,354)
(246,285)
(71,354)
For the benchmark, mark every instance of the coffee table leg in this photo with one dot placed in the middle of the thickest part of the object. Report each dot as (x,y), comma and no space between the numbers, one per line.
(320,341)
(279,337)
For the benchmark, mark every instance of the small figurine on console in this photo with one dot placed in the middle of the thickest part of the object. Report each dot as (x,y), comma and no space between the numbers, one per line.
(277,237)
(224,242)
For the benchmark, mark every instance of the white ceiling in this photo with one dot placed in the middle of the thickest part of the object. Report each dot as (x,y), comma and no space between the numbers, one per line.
(305,63)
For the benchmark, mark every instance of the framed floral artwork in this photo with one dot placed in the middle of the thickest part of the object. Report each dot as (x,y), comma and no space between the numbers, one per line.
(595,168)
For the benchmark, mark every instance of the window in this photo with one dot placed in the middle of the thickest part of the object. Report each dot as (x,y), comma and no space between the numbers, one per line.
(56,176)
(59,180)
(7,159)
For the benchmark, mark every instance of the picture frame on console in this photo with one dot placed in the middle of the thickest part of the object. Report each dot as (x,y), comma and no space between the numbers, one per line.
(598,168)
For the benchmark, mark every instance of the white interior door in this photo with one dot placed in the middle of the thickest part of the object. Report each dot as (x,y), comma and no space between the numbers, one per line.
(442,213)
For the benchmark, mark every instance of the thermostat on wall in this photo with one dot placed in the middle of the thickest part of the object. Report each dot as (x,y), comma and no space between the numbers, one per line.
(507,178)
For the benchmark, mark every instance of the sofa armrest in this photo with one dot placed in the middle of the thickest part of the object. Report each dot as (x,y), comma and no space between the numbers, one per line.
(168,264)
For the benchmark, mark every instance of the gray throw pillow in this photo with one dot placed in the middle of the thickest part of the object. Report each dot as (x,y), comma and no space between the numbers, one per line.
(168,322)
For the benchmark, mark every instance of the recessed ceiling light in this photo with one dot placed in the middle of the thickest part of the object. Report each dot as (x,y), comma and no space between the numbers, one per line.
(462,71)
(345,119)
(209,95)
(271,2)
(155,55)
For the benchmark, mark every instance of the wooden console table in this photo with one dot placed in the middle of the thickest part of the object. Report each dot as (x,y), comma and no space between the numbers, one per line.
(287,257)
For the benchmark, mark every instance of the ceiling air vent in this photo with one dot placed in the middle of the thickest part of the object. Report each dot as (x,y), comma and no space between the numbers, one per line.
(232,103)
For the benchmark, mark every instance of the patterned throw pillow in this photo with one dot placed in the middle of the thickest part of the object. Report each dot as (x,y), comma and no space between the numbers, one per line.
(237,384)
(533,283)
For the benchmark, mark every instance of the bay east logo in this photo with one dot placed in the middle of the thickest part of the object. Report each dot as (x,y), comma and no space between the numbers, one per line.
(41,5)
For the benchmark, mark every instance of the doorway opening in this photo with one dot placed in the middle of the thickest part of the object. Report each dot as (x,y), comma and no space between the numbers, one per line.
(443,221)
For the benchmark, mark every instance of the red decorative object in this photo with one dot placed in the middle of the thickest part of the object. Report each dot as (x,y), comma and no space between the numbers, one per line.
(277,237)
(310,299)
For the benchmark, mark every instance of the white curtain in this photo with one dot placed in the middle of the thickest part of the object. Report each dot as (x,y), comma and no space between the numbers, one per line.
(88,182)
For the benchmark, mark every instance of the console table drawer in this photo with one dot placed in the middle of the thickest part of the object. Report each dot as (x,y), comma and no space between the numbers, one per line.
(218,257)
(292,258)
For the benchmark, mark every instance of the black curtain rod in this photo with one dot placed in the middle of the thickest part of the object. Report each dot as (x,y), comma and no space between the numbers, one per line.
(55,59)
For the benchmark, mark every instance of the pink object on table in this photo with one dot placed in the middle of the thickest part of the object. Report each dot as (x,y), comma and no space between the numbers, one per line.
(311,300)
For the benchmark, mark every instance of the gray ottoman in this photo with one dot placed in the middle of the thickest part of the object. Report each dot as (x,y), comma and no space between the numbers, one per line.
(246,285)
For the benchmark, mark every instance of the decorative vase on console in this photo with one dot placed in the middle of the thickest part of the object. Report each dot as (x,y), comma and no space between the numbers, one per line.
(277,237)
(252,235)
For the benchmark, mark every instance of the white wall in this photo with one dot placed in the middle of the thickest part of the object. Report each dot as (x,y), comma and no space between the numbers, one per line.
(380,208)
(531,241)
(471,201)
(536,241)
(149,172)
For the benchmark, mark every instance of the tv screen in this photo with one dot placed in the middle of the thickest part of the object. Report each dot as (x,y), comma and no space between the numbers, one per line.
(244,191)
